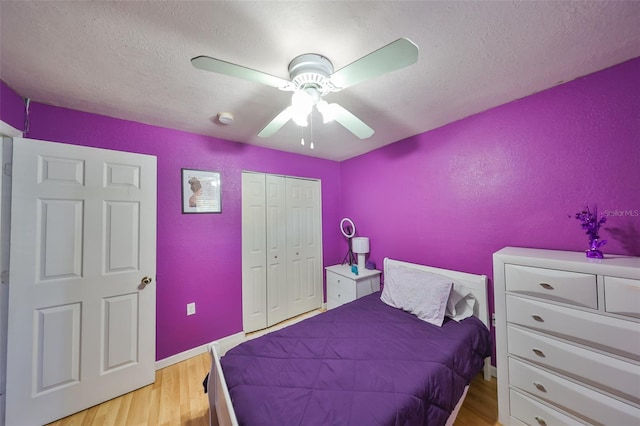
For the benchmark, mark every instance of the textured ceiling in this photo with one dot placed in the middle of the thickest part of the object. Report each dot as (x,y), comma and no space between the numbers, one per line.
(131,60)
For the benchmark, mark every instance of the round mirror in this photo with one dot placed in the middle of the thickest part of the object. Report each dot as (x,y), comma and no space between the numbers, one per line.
(347,227)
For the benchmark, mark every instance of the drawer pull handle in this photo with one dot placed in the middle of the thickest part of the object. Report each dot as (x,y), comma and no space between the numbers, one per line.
(537,318)
(539,386)
(546,286)
(541,421)
(539,353)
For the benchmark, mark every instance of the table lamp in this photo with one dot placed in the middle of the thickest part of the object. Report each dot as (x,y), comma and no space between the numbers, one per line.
(360,246)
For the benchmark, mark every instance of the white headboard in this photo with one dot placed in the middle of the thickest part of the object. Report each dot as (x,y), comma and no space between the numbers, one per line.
(476,284)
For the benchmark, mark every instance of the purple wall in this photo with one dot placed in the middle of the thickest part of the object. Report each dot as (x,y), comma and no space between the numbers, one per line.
(449,197)
(198,256)
(508,176)
(11,107)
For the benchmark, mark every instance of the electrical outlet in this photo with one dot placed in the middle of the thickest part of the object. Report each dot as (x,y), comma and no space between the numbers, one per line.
(191,308)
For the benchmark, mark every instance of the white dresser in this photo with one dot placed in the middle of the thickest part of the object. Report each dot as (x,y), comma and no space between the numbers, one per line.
(344,286)
(567,338)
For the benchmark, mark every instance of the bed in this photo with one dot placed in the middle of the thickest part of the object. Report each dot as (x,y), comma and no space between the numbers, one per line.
(364,363)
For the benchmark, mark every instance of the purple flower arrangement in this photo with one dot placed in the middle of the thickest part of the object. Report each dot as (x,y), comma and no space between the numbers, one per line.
(591,224)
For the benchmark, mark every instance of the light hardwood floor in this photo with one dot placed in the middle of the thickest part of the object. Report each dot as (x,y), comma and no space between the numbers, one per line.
(177,398)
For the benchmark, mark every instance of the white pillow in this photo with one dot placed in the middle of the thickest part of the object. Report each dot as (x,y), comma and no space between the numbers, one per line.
(461,303)
(421,293)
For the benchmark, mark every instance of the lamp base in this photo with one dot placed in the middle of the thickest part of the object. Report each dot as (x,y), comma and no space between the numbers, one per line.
(361,261)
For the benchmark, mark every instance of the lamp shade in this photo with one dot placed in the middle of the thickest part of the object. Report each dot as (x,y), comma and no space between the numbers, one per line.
(360,245)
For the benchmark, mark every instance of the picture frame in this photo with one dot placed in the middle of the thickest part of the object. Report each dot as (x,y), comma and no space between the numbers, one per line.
(201,191)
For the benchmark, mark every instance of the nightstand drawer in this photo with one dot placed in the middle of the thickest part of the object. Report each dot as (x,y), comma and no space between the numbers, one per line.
(340,288)
(571,397)
(598,331)
(622,296)
(602,371)
(567,287)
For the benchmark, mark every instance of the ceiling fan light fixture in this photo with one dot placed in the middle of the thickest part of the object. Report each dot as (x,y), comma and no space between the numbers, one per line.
(326,111)
(301,103)
(311,76)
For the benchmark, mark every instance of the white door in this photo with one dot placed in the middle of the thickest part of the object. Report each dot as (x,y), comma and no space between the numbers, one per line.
(276,250)
(254,257)
(81,325)
(304,246)
(281,249)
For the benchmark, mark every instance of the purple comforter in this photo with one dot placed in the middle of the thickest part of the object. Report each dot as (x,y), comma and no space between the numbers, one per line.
(364,363)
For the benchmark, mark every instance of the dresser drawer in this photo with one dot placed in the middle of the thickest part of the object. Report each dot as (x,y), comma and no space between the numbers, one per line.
(622,296)
(605,372)
(567,287)
(340,288)
(534,413)
(595,330)
(571,397)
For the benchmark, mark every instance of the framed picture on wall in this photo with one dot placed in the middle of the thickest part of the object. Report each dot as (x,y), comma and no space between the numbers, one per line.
(200,191)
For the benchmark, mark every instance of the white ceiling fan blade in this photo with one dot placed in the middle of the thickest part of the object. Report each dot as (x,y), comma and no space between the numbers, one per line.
(398,54)
(219,66)
(277,123)
(351,122)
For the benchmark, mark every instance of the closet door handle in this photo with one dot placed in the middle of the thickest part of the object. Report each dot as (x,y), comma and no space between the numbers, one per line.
(537,318)
(540,387)
(546,286)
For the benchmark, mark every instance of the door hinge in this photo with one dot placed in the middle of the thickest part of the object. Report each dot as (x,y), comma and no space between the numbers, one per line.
(4,277)
(6,169)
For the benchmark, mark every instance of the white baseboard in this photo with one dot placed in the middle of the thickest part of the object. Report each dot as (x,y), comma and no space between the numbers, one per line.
(229,342)
(494,371)
(182,356)
(226,343)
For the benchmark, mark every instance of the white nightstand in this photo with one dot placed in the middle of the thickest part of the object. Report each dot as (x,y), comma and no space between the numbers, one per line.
(344,286)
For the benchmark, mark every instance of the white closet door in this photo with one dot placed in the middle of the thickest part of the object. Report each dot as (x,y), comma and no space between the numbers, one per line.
(281,249)
(254,252)
(276,250)
(304,246)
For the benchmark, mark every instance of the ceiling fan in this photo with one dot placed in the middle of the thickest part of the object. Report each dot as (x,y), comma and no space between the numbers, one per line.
(311,77)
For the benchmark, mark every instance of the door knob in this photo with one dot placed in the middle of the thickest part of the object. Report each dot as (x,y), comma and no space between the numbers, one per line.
(145,281)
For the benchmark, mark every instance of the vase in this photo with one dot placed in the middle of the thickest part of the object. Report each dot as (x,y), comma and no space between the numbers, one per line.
(593,252)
